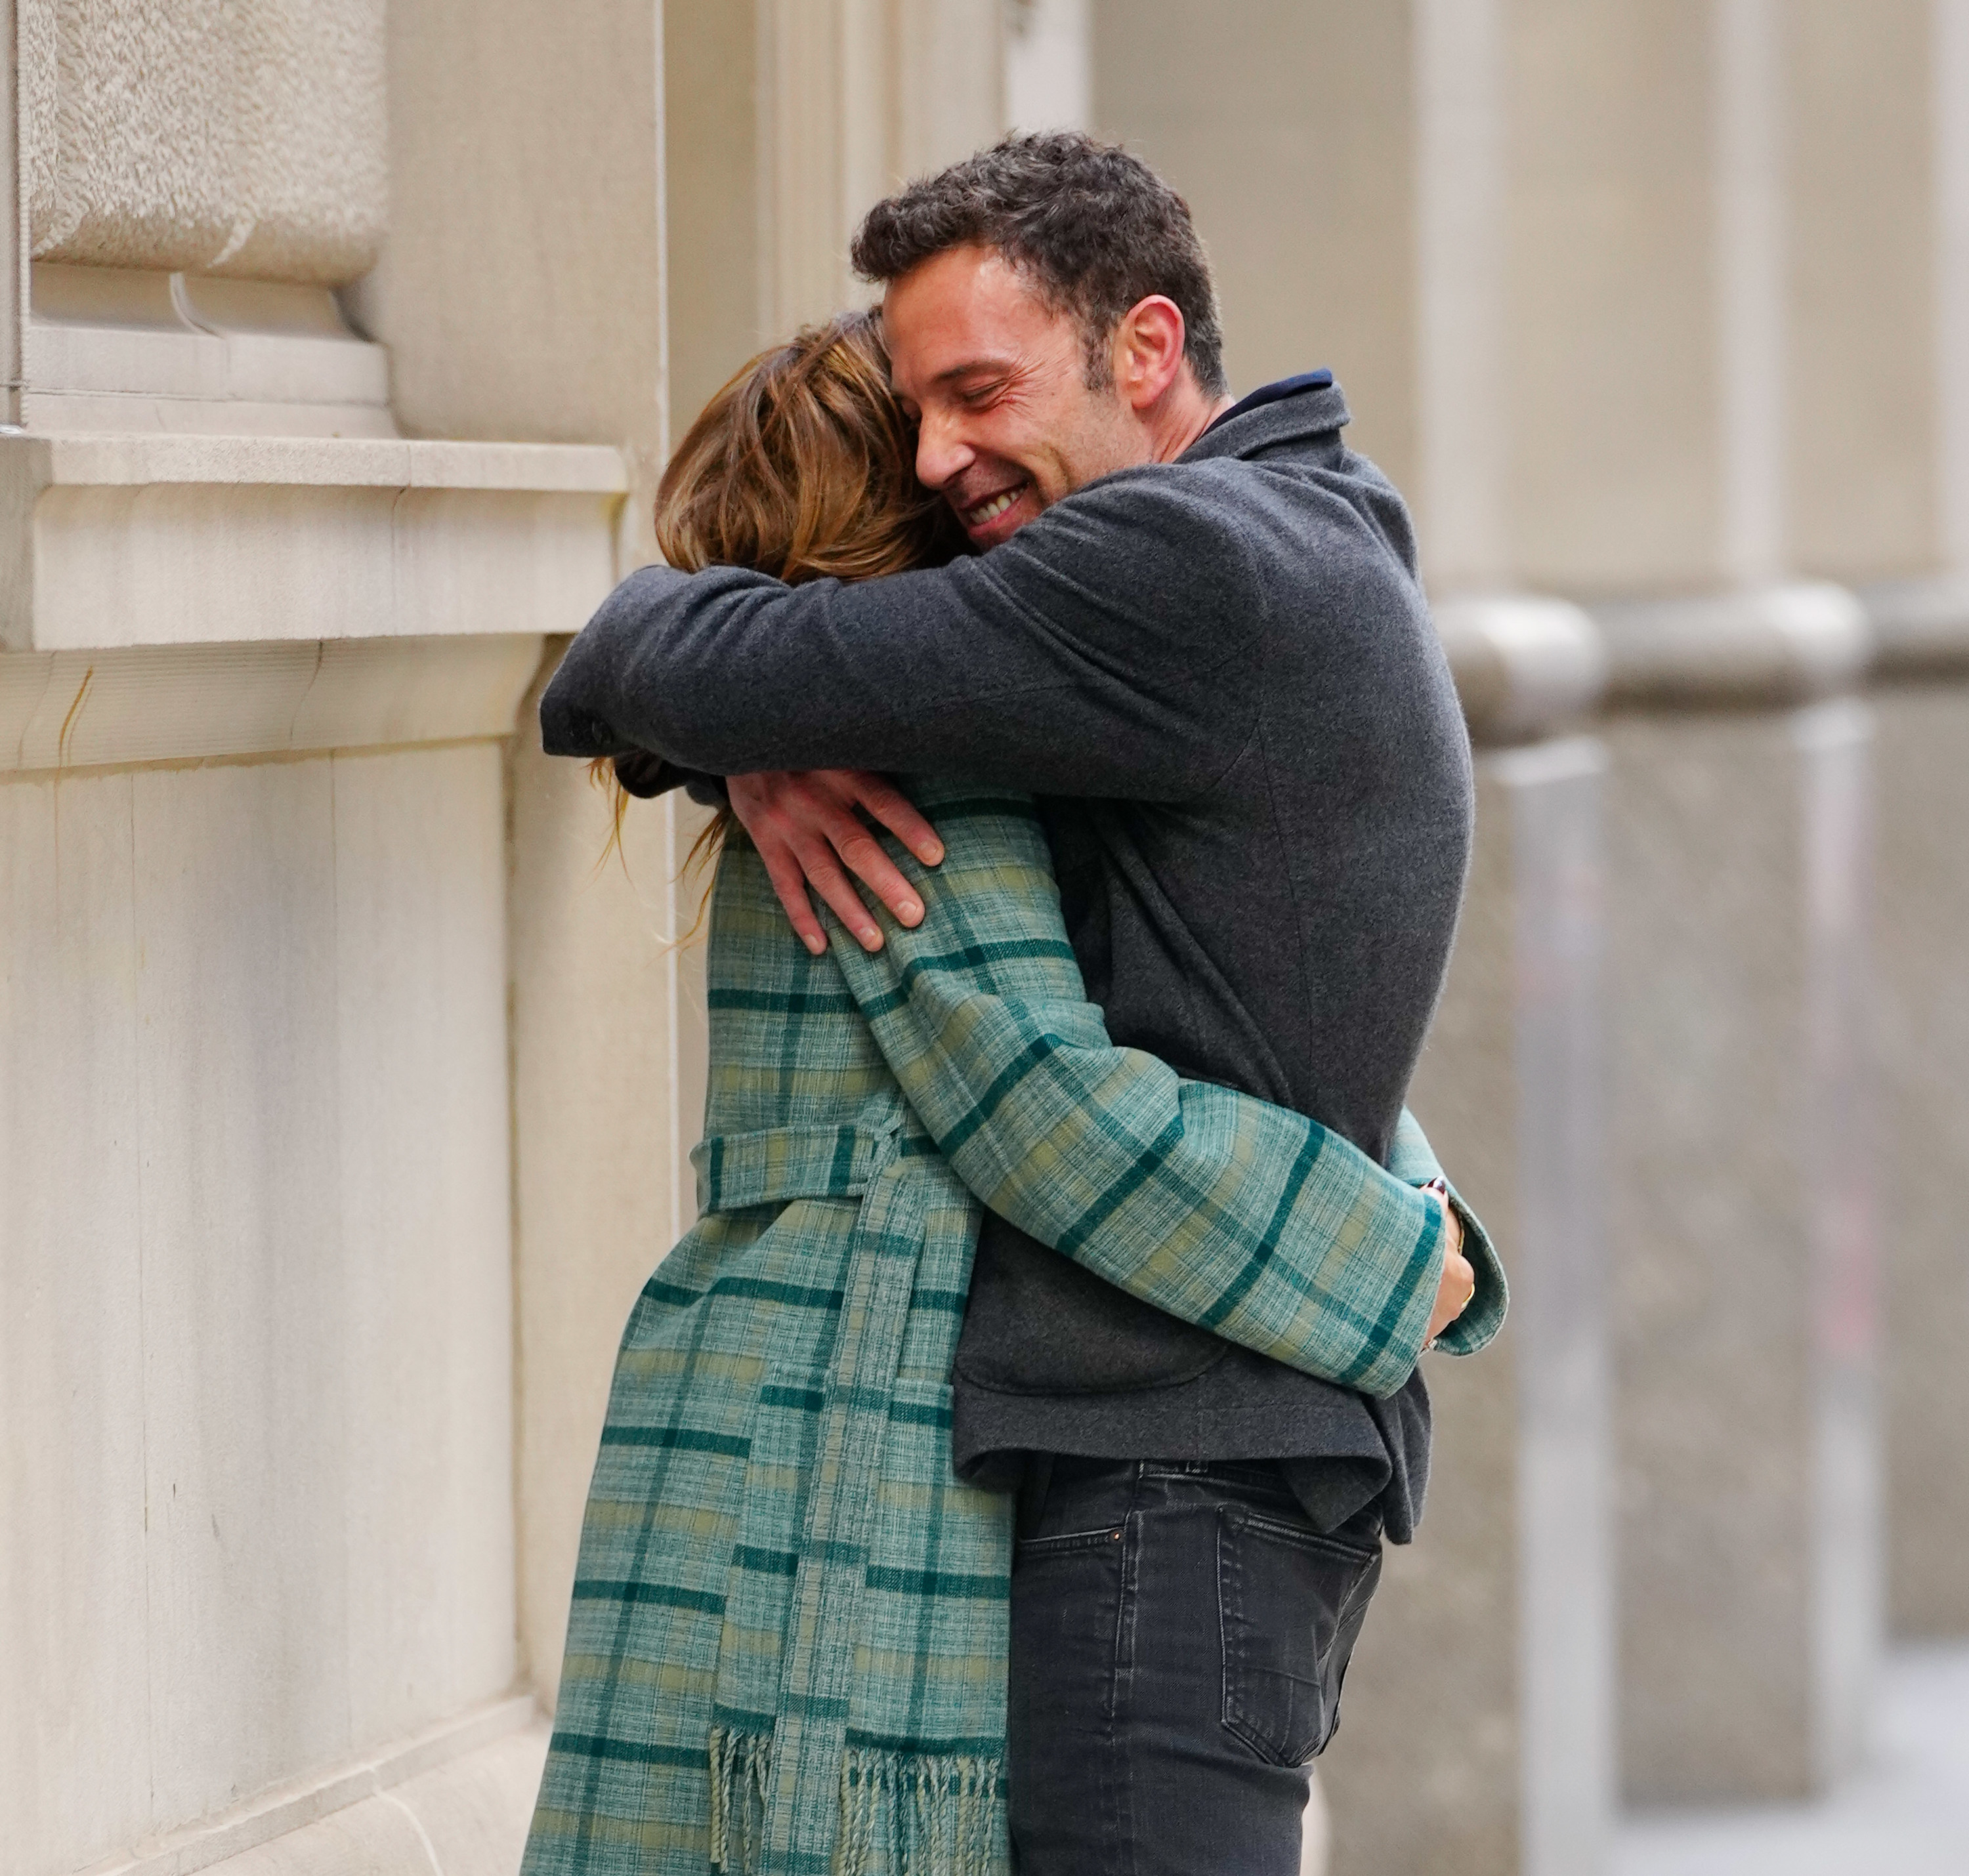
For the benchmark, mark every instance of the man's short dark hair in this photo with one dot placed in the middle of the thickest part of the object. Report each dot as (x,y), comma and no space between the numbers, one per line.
(1097,229)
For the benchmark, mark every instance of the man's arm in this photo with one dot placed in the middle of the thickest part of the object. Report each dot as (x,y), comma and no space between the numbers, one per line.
(1245,1218)
(1087,655)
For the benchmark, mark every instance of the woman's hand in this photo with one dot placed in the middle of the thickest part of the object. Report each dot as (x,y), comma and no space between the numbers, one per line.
(1458,1284)
(809,829)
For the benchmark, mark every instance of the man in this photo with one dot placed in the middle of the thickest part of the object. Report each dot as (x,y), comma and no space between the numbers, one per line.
(1194,628)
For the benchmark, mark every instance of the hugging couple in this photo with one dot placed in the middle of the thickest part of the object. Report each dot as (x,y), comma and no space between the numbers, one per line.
(996,1476)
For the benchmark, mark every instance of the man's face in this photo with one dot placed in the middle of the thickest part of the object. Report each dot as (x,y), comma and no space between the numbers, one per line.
(995,380)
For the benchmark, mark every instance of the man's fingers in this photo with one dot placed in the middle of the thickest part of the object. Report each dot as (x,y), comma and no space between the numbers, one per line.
(806,830)
(825,876)
(897,812)
(782,868)
(876,871)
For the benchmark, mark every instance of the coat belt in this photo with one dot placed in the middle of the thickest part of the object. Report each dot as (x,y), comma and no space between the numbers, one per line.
(774,1166)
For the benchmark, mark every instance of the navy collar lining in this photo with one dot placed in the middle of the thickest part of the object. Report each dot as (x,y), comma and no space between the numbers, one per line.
(1271,394)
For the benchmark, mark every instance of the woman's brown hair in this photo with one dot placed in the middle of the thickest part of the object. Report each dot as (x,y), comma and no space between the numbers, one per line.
(804,467)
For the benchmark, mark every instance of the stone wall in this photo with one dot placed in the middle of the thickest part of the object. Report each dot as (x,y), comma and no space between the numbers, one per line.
(233,137)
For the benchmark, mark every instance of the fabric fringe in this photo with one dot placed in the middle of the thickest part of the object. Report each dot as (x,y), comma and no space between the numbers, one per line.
(742,1769)
(909,1815)
(902,1814)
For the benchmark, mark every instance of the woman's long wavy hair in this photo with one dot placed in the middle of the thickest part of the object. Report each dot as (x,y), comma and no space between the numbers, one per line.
(803,466)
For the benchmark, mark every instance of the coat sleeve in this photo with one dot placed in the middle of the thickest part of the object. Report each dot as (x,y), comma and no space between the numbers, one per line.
(1107,650)
(1246,1219)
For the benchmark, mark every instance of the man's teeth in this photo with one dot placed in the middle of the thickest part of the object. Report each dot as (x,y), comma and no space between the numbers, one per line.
(990,510)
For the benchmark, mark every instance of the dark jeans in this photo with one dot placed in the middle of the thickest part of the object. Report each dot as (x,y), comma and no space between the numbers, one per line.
(1179,1632)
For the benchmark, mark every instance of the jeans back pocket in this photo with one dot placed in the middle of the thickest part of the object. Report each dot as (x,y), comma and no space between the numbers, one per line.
(1290,1605)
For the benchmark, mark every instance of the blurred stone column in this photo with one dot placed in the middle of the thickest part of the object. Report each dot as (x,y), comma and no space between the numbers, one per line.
(1921,704)
(1478,1733)
(1739,869)
(1894,193)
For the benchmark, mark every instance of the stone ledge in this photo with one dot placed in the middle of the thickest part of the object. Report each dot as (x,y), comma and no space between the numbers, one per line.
(1921,627)
(1524,667)
(116,541)
(1772,646)
(142,459)
(345,1819)
(64,710)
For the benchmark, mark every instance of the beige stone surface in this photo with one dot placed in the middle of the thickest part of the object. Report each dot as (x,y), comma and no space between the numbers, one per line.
(1741,1245)
(1863,463)
(89,709)
(425,1209)
(1307,209)
(783,123)
(528,302)
(75,1719)
(468,1818)
(1423,1775)
(454,1800)
(240,137)
(13,259)
(124,349)
(1924,1132)
(1478,1733)
(718,316)
(603,1115)
(253,1131)
(146,540)
(1609,308)
(854,99)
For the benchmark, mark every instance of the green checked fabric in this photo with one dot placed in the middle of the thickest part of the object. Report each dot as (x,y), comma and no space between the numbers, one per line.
(786,1648)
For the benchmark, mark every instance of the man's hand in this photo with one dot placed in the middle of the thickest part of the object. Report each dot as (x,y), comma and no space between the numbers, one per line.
(1459,1283)
(809,832)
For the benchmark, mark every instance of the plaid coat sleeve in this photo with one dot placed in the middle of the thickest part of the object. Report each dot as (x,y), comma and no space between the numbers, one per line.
(1248,1220)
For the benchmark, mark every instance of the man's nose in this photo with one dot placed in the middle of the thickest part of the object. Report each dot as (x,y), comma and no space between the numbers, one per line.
(943,455)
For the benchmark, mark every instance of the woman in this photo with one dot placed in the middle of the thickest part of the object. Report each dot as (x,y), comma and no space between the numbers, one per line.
(787,1650)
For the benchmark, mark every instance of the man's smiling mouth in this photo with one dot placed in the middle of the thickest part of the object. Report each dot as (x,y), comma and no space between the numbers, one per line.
(989,509)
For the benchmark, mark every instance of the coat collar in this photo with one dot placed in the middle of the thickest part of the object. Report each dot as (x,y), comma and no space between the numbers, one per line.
(1309,405)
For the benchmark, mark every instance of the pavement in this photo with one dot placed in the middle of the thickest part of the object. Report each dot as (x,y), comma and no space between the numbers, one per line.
(1904,1813)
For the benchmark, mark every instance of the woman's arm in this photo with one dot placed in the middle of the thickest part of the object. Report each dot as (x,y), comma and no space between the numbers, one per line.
(1246,1219)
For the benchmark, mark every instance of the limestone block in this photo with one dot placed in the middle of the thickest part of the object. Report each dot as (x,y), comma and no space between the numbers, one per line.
(1743,1249)
(1478,1723)
(108,540)
(82,709)
(1048,71)
(120,348)
(711,185)
(529,303)
(426,1218)
(1862,487)
(75,1725)
(245,1320)
(231,137)
(257,1246)
(1304,195)
(1923,779)
(607,1102)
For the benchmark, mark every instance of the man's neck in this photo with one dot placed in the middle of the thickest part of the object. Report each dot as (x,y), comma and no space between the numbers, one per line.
(1185,413)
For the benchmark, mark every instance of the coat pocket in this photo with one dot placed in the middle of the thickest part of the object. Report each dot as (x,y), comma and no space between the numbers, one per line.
(1290,1603)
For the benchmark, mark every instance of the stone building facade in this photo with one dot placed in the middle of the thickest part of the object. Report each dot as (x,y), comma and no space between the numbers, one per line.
(345,1096)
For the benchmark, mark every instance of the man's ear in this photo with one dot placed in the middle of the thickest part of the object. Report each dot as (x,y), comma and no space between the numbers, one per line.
(1148,351)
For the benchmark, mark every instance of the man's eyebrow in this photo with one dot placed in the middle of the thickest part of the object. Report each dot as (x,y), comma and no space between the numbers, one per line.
(972,366)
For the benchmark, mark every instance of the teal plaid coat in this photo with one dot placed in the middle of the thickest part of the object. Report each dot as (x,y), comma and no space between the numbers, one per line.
(786,1649)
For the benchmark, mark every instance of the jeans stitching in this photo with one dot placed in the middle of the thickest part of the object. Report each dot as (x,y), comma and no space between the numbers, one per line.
(1122,1684)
